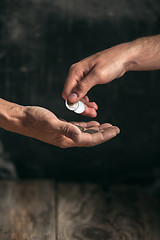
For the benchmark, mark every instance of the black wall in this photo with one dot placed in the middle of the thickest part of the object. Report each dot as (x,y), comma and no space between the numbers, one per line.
(39,40)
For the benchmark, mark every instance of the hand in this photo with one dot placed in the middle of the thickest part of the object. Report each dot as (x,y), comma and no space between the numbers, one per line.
(99,68)
(42,124)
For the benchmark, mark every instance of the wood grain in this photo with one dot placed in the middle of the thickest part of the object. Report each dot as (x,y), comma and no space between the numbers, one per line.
(41,210)
(27,210)
(88,212)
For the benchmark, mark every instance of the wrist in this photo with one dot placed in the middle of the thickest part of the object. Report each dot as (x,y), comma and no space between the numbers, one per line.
(12,116)
(144,54)
(134,55)
(129,56)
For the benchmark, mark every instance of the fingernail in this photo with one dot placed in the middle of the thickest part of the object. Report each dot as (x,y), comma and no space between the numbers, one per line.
(118,130)
(95,106)
(73,96)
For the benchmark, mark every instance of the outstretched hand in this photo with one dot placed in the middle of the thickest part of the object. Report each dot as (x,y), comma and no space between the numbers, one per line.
(99,68)
(44,125)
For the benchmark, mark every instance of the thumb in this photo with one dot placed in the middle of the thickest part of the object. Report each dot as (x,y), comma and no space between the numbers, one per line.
(82,87)
(70,131)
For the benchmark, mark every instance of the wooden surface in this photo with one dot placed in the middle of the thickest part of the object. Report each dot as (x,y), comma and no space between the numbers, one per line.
(43,210)
(27,211)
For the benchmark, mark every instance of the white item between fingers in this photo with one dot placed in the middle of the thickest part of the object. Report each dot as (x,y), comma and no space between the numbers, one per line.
(77,107)
(80,109)
(71,106)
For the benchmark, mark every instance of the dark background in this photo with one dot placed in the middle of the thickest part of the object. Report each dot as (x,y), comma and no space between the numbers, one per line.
(39,40)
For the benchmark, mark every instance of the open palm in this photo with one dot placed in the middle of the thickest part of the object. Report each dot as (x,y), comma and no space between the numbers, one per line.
(45,126)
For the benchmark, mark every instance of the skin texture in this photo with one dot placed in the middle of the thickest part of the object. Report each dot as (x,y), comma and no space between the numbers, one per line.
(105,66)
(42,124)
(100,68)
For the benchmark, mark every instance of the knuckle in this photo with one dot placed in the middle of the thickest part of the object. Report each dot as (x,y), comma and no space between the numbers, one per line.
(100,75)
(81,86)
(73,67)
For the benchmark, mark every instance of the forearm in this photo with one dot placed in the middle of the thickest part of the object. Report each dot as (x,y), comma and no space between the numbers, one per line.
(12,117)
(144,54)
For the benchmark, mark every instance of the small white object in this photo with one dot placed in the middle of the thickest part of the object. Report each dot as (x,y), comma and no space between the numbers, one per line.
(80,109)
(77,107)
(71,106)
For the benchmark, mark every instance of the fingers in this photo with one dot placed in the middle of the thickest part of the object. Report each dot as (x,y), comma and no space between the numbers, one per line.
(81,139)
(90,112)
(89,104)
(90,107)
(100,137)
(74,137)
(79,81)
(90,124)
(82,87)
(105,126)
(75,74)
(86,98)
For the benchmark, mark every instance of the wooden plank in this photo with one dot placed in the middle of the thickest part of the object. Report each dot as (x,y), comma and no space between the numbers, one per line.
(88,212)
(27,210)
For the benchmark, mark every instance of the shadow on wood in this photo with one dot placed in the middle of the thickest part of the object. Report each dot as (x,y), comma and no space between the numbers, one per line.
(88,212)
(42,210)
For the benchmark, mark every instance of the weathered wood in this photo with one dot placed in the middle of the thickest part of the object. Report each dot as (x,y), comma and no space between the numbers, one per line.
(33,210)
(27,210)
(88,212)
